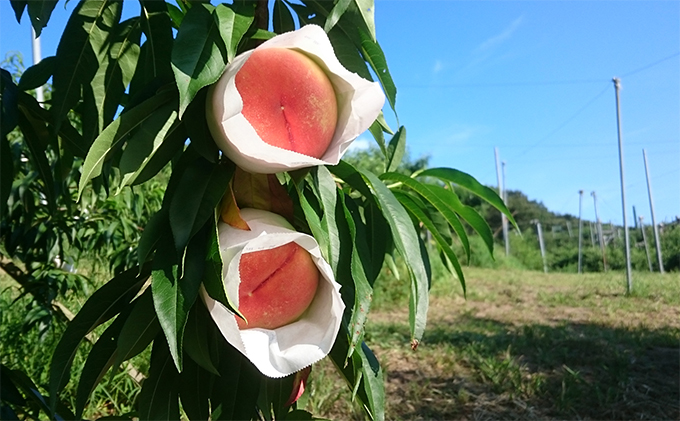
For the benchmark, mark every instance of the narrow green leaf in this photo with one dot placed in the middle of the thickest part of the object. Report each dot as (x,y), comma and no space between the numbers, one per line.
(6,173)
(336,13)
(437,200)
(363,292)
(99,361)
(40,11)
(197,340)
(367,11)
(411,206)
(213,282)
(377,132)
(8,102)
(36,137)
(176,14)
(233,24)
(174,295)
(407,243)
(160,157)
(468,213)
(198,54)
(373,381)
(139,329)
(144,142)
(194,390)
(328,197)
(83,40)
(18,6)
(374,55)
(38,74)
(116,133)
(199,191)
(158,399)
(235,391)
(469,183)
(153,231)
(283,19)
(313,220)
(396,150)
(348,53)
(105,303)
(153,68)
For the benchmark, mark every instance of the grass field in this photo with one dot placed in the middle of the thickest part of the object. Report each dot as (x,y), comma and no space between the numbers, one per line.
(522,345)
(525,345)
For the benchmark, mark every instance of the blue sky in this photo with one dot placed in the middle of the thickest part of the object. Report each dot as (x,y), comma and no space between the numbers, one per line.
(532,79)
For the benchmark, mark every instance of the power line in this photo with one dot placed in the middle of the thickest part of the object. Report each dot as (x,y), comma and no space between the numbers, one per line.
(651,65)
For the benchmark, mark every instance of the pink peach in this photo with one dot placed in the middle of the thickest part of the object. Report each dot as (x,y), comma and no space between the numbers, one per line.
(289,100)
(277,286)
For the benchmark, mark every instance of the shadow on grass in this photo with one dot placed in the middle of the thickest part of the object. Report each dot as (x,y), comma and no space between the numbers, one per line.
(485,369)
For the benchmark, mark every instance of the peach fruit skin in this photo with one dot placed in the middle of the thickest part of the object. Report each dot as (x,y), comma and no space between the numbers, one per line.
(277,285)
(289,100)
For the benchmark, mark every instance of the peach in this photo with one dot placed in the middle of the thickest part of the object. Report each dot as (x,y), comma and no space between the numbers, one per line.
(289,100)
(277,286)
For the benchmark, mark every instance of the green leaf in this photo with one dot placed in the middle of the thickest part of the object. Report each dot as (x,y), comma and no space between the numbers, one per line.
(117,132)
(82,42)
(469,183)
(282,19)
(40,11)
(158,399)
(115,70)
(377,132)
(153,68)
(174,295)
(199,191)
(373,381)
(38,74)
(328,198)
(37,137)
(348,54)
(338,10)
(144,142)
(198,54)
(18,6)
(6,173)
(213,282)
(407,243)
(436,197)
(155,228)
(99,361)
(233,24)
(363,292)
(176,14)
(417,210)
(104,304)
(374,55)
(396,150)
(235,391)
(367,11)
(194,390)
(139,329)
(313,220)
(468,213)
(159,158)
(197,339)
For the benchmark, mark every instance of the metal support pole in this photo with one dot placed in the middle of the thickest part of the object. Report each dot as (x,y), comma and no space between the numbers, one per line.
(592,234)
(626,236)
(644,239)
(651,207)
(35,43)
(504,220)
(541,244)
(569,229)
(599,232)
(580,237)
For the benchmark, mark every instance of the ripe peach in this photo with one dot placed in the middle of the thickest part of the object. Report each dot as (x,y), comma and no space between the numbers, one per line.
(277,286)
(289,100)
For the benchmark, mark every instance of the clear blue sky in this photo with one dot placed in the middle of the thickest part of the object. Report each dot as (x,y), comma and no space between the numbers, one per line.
(531,78)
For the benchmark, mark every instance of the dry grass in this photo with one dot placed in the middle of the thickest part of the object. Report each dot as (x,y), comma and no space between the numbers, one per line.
(525,345)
